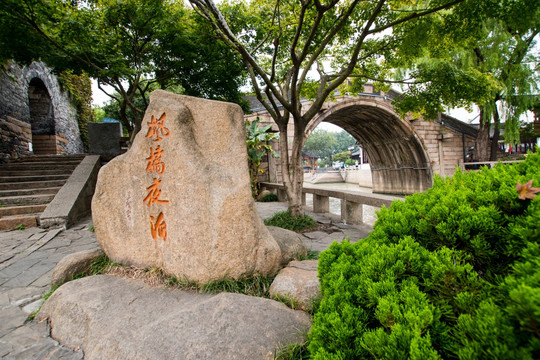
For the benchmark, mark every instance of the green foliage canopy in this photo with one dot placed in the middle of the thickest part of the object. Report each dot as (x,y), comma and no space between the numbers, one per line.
(133,46)
(481,54)
(283,42)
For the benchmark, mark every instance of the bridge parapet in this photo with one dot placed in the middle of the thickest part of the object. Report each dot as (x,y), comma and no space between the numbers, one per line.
(351,202)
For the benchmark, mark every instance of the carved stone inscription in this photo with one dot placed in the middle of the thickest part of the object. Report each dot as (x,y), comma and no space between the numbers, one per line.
(180,198)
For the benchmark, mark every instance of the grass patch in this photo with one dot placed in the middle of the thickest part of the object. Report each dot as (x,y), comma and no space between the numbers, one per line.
(32,316)
(101,265)
(91,228)
(293,352)
(257,285)
(310,255)
(288,300)
(285,220)
(20,227)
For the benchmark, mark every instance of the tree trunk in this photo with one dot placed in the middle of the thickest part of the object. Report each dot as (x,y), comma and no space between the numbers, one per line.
(482,141)
(291,169)
(124,118)
(496,134)
(296,206)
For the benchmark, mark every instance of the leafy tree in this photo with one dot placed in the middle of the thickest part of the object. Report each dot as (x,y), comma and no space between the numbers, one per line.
(132,46)
(342,156)
(527,131)
(258,144)
(486,59)
(282,42)
(344,141)
(321,143)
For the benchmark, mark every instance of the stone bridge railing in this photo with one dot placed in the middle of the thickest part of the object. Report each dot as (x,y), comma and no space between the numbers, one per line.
(474,166)
(351,203)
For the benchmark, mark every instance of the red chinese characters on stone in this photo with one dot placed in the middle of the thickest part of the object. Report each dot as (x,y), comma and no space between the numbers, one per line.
(158,227)
(154,192)
(157,129)
(154,161)
(154,164)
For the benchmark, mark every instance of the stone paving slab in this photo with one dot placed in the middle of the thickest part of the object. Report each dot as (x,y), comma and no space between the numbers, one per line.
(27,258)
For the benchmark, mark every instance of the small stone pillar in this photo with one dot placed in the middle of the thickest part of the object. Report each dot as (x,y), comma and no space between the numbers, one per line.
(351,212)
(282,195)
(321,204)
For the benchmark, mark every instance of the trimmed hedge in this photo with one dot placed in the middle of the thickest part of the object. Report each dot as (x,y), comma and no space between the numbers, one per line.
(453,272)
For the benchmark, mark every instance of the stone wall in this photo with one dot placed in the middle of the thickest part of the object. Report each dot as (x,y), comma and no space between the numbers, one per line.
(32,95)
(443,145)
(16,135)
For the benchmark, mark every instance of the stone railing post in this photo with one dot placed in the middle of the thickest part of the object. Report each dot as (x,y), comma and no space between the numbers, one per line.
(321,204)
(282,195)
(351,212)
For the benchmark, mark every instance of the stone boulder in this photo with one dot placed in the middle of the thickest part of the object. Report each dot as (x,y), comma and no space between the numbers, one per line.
(298,281)
(291,243)
(116,318)
(74,264)
(180,198)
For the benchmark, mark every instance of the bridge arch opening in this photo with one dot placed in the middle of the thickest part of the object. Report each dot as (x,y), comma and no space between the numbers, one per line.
(399,163)
(41,118)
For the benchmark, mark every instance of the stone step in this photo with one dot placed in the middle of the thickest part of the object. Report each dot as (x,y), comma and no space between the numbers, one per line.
(12,179)
(23,190)
(31,184)
(14,221)
(38,166)
(49,158)
(19,210)
(30,172)
(26,199)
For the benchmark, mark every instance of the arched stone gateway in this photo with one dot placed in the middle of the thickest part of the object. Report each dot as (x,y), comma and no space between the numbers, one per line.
(41,117)
(399,163)
(35,113)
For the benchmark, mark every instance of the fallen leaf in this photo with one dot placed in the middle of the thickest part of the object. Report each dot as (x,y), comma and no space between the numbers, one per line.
(526,191)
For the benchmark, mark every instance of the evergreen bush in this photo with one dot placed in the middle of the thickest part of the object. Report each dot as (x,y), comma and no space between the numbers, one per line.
(453,272)
(270,198)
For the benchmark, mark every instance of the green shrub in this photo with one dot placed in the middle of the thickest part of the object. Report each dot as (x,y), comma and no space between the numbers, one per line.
(285,220)
(450,273)
(269,198)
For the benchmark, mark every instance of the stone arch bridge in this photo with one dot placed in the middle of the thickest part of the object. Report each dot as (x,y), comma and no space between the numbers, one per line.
(403,153)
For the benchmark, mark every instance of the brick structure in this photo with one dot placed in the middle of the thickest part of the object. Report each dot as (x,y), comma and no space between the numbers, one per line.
(36,116)
(403,153)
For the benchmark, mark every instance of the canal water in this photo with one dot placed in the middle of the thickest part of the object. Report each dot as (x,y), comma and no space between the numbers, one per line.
(369,215)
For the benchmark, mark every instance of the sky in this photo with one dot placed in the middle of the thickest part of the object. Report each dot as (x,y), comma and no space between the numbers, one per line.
(99,98)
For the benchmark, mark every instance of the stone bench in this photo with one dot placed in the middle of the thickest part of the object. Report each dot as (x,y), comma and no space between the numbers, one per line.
(351,202)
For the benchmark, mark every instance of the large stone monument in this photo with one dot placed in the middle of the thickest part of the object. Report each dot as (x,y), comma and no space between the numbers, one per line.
(180,198)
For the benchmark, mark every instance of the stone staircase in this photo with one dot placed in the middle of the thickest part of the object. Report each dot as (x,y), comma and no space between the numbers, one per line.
(29,184)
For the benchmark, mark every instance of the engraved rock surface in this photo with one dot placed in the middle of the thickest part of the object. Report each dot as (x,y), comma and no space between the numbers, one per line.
(180,198)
